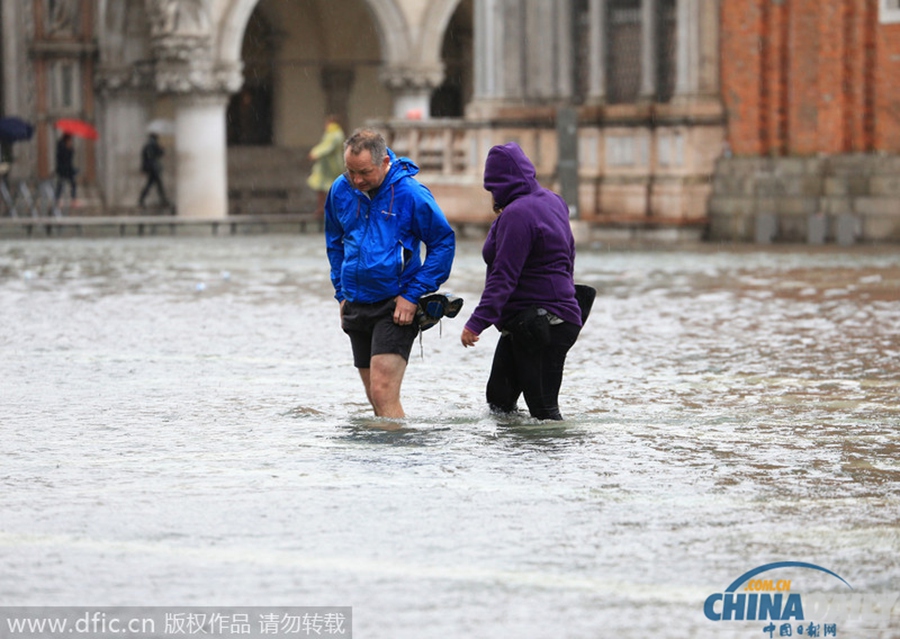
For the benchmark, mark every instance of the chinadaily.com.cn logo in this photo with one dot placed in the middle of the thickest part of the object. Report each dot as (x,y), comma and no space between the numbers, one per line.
(797,599)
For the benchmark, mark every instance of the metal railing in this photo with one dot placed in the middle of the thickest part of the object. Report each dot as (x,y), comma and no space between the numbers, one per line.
(29,199)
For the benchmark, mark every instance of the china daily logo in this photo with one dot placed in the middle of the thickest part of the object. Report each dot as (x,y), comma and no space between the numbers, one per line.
(760,595)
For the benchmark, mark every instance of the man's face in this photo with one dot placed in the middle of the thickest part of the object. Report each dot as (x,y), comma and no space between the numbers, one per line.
(363,173)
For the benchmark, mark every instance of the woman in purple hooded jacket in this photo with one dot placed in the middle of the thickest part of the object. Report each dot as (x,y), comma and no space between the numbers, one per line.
(529,292)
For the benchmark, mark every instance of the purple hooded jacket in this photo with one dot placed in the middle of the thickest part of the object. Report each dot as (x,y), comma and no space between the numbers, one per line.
(529,250)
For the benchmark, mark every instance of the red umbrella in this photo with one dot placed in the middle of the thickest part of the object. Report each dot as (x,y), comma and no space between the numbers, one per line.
(79,128)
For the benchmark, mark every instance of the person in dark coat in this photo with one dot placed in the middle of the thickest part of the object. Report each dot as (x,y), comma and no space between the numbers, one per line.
(529,292)
(65,165)
(151,166)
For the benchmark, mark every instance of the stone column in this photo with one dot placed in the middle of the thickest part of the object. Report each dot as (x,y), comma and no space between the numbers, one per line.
(125,94)
(412,88)
(488,37)
(546,46)
(12,42)
(597,11)
(697,53)
(522,52)
(17,76)
(201,155)
(181,38)
(649,44)
(687,52)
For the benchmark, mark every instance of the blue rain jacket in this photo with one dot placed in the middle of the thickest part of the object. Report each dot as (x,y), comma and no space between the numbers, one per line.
(374,245)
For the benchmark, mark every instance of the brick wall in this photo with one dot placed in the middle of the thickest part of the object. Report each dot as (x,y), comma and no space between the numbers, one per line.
(803,77)
(742,88)
(812,96)
(887,87)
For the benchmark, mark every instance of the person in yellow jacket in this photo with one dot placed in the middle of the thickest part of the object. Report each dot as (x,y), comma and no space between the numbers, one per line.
(328,162)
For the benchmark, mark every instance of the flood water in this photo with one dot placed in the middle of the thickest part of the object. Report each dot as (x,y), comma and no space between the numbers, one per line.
(182,425)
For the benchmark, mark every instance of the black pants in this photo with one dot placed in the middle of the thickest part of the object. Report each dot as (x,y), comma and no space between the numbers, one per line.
(537,373)
(154,178)
(61,182)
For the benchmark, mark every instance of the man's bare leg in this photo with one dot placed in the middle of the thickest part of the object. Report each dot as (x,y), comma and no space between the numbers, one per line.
(382,382)
(365,376)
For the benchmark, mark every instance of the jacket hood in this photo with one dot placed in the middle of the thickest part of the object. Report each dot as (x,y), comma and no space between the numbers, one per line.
(400,167)
(508,173)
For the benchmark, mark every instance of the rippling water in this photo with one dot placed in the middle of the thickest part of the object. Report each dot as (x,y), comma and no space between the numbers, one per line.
(182,425)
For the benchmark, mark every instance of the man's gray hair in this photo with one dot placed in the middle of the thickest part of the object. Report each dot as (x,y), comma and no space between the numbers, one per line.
(367,140)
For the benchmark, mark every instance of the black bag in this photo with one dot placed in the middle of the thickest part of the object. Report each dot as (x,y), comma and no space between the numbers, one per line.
(585,295)
(530,329)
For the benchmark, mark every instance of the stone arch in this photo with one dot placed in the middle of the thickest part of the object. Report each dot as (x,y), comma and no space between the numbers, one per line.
(434,25)
(448,32)
(390,24)
(232,26)
(250,114)
(393,31)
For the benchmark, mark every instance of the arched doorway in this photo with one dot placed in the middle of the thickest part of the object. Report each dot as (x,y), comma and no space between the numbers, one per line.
(249,119)
(302,60)
(449,100)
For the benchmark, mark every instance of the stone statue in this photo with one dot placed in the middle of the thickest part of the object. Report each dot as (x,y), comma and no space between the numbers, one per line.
(61,16)
(179,17)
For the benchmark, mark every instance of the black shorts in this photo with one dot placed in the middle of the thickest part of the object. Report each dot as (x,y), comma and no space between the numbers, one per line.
(372,331)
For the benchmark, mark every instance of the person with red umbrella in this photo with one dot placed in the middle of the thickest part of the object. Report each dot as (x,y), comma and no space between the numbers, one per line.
(65,165)
(78,128)
(65,150)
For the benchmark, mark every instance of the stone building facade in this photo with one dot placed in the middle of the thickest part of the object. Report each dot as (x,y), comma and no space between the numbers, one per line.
(684,112)
(643,77)
(253,79)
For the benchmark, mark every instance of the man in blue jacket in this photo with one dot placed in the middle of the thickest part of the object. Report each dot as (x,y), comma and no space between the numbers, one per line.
(377,215)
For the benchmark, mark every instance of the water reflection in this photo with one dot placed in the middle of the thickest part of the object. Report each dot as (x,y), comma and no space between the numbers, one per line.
(210,444)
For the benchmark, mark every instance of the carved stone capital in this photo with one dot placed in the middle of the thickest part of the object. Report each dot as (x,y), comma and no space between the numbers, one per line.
(197,77)
(412,78)
(181,47)
(182,44)
(230,77)
(121,79)
(178,17)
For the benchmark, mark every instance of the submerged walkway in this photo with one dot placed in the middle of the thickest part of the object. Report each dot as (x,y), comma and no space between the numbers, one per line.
(130,224)
(138,225)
